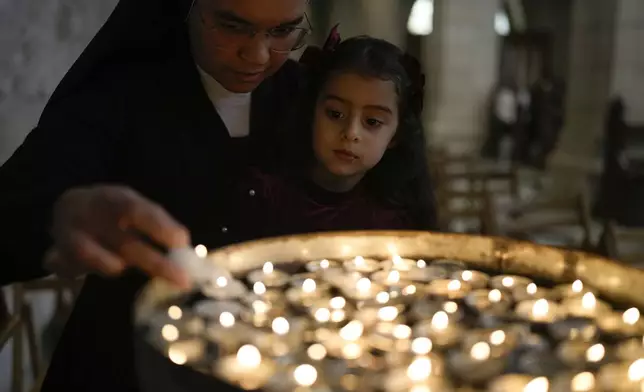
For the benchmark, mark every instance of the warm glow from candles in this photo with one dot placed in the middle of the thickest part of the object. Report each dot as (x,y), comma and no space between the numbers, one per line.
(421,346)
(170,333)
(201,251)
(397,260)
(409,290)
(588,301)
(540,308)
(631,316)
(497,337)
(420,369)
(388,313)
(322,315)
(259,288)
(337,303)
(280,326)
(352,351)
(531,289)
(268,268)
(249,356)
(539,384)
(577,286)
(309,286)
(494,296)
(175,312)
(337,315)
(480,351)
(382,297)
(393,277)
(359,260)
(305,375)
(454,285)
(636,370)
(221,282)
(324,264)
(363,285)
(260,306)
(316,351)
(402,331)
(467,275)
(226,319)
(421,263)
(508,281)
(595,353)
(352,331)
(440,320)
(177,356)
(583,382)
(450,307)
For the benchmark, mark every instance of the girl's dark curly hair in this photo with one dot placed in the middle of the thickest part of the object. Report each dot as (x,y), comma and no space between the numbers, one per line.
(402,176)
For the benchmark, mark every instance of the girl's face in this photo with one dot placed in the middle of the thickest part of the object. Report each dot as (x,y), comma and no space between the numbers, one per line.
(356,119)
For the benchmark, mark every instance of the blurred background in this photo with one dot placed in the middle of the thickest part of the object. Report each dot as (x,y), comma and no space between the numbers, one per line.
(534,117)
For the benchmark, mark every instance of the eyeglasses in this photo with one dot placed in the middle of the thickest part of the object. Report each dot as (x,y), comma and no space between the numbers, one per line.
(230,34)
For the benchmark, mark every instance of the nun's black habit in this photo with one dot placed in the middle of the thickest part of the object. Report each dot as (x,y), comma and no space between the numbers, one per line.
(132,111)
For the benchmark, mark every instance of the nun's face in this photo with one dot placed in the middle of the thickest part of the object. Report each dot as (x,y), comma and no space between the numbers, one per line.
(242,42)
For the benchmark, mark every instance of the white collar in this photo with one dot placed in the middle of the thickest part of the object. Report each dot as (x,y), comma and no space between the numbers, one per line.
(218,94)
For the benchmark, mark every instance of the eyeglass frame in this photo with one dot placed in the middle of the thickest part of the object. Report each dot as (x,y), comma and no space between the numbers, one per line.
(252,31)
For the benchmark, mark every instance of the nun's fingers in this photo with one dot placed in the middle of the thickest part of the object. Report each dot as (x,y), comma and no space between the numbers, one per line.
(80,254)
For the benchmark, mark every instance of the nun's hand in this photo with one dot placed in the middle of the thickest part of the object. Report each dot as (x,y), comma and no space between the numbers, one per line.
(95,231)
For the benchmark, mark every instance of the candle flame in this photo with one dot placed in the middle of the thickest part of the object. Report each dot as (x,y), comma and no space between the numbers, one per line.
(322,315)
(324,264)
(363,285)
(494,296)
(226,319)
(540,308)
(531,289)
(508,281)
(595,353)
(201,251)
(577,286)
(260,306)
(170,332)
(352,331)
(359,260)
(467,276)
(631,316)
(309,286)
(421,263)
(388,313)
(249,356)
(259,288)
(393,277)
(382,297)
(450,307)
(177,356)
(480,351)
(583,382)
(175,312)
(316,352)
(305,375)
(268,268)
(636,370)
(397,260)
(588,301)
(440,320)
(409,290)
(421,346)
(454,285)
(497,337)
(280,326)
(352,351)
(539,384)
(337,315)
(420,369)
(221,282)
(402,331)
(337,303)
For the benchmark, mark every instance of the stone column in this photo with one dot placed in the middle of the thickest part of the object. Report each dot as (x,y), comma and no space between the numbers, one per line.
(461,56)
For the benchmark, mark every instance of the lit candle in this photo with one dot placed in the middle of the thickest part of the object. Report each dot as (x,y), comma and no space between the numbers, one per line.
(519,383)
(420,375)
(621,376)
(539,311)
(425,310)
(579,382)
(187,351)
(476,365)
(574,289)
(509,282)
(581,355)
(400,264)
(248,368)
(269,276)
(305,293)
(501,341)
(224,288)
(476,279)
(450,289)
(585,306)
(362,289)
(361,265)
(315,266)
(210,309)
(439,330)
(616,325)
(495,301)
(531,291)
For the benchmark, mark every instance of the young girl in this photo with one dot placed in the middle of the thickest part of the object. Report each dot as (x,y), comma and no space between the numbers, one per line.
(358,150)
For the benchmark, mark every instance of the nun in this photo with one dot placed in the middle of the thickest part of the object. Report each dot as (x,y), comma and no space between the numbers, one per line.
(151,126)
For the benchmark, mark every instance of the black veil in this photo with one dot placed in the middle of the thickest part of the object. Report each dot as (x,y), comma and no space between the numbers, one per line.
(135,28)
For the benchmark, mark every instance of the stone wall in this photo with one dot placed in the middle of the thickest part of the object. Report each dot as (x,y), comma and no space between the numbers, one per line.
(39,40)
